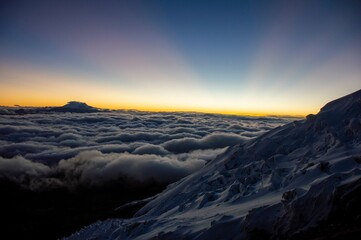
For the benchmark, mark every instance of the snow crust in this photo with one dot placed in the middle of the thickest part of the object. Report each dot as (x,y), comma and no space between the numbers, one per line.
(278,185)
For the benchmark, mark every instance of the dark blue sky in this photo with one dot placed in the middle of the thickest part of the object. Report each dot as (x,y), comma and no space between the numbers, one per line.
(285,57)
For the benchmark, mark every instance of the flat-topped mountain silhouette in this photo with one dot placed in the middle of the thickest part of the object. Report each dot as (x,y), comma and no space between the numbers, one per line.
(76,107)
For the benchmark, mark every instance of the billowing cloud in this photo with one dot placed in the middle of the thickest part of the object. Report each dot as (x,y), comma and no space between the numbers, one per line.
(40,149)
(19,168)
(212,141)
(14,149)
(96,168)
(151,149)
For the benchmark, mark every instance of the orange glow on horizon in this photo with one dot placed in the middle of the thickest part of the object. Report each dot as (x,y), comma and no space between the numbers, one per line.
(39,102)
(27,86)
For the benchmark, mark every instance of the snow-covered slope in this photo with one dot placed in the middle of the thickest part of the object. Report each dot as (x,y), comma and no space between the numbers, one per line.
(301,180)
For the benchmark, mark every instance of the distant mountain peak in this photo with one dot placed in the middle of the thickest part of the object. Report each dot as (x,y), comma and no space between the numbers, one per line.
(77,105)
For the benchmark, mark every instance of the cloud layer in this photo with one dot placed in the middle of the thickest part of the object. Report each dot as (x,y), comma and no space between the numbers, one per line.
(92,149)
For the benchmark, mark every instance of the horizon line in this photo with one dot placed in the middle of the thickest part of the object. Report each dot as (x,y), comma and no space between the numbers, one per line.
(169,110)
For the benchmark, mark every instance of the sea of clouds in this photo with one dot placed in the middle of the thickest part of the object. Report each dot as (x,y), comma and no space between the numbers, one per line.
(92,149)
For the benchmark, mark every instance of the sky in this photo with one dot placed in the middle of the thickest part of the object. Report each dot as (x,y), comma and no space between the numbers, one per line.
(240,57)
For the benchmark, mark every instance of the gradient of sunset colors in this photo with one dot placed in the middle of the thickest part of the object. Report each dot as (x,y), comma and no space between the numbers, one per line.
(242,57)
